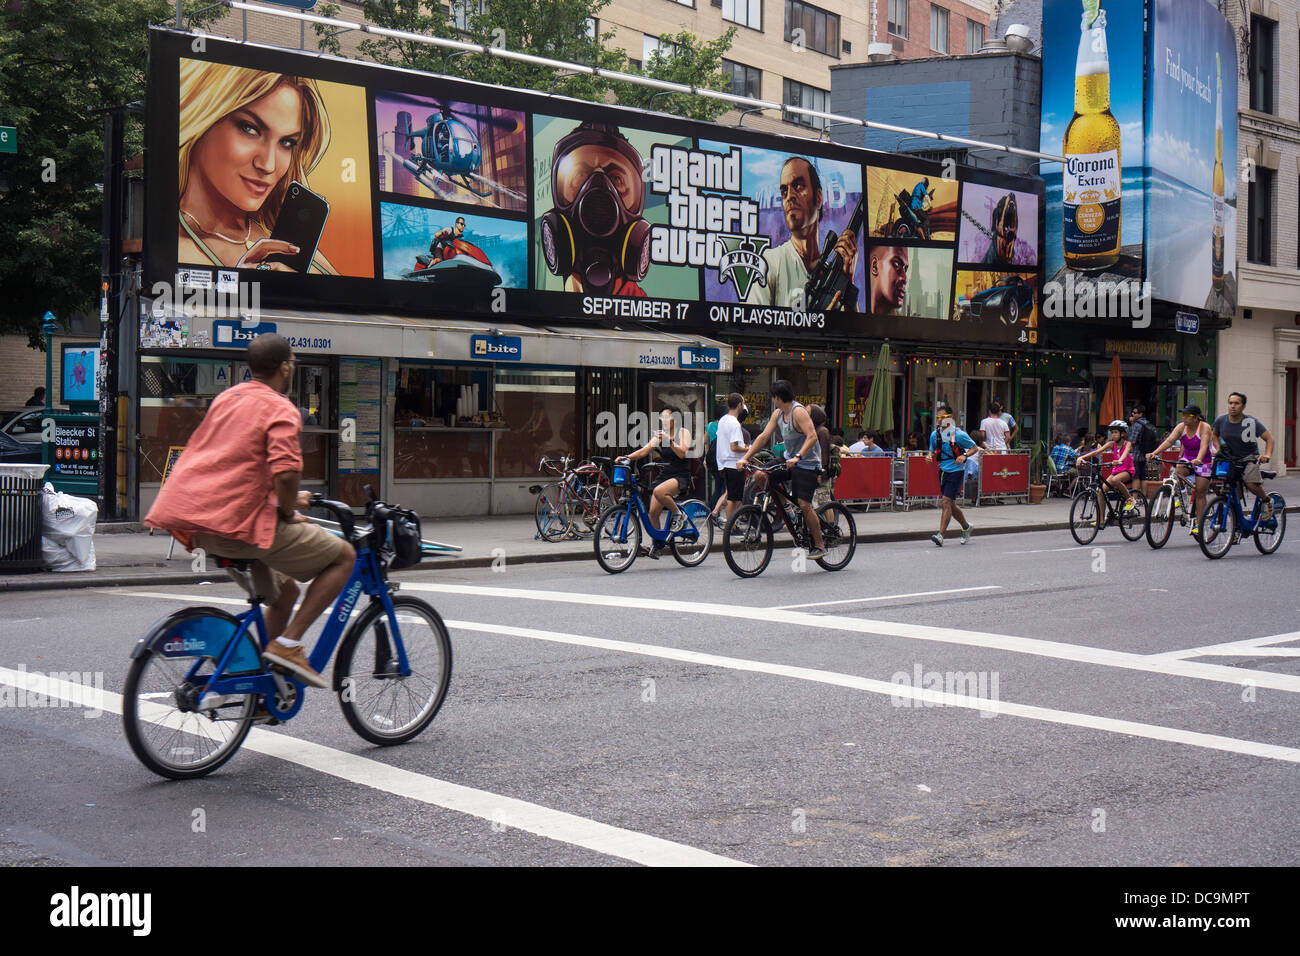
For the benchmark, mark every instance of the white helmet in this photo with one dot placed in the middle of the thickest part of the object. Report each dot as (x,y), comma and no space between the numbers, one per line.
(1122,426)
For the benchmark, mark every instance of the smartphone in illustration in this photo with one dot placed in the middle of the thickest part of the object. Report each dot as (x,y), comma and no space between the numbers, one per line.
(301,221)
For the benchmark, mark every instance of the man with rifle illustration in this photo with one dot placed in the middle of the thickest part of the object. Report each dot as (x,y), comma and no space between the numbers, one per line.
(791,265)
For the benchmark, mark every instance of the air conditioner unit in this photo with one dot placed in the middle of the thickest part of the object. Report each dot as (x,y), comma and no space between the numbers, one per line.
(846,46)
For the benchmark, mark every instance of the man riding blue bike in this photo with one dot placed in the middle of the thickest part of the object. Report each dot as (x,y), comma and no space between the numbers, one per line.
(234,494)
(1239,435)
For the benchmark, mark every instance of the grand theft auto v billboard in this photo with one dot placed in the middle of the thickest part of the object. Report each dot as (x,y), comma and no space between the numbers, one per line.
(346,186)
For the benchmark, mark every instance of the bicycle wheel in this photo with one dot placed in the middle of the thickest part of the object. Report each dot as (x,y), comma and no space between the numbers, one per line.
(164,726)
(1133,523)
(1269,534)
(839,535)
(747,541)
(617,539)
(1160,517)
(691,551)
(1218,526)
(378,702)
(549,512)
(1084,517)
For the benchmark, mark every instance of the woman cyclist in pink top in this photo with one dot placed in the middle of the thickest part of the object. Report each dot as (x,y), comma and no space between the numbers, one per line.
(1122,468)
(1196,435)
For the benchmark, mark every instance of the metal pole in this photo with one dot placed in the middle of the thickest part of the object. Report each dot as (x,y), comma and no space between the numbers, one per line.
(49,325)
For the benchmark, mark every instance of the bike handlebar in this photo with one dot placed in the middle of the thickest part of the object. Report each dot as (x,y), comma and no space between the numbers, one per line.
(343,513)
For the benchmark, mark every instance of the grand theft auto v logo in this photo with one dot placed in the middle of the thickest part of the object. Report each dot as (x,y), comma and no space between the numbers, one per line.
(709,222)
(742,262)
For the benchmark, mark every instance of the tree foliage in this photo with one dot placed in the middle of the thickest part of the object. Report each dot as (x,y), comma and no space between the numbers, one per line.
(557,29)
(60,62)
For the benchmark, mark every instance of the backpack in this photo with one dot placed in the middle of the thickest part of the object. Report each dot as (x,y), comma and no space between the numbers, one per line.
(711,457)
(953,451)
(1147,440)
(833,468)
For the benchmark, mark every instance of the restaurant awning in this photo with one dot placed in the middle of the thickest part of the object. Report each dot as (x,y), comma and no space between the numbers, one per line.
(455,340)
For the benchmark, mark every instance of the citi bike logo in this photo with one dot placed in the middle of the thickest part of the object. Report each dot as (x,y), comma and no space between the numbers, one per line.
(349,599)
(179,644)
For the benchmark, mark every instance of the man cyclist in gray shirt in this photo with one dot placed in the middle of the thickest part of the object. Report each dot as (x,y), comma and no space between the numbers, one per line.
(1238,434)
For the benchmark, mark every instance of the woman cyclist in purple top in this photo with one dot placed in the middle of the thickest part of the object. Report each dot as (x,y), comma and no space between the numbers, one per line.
(1122,468)
(1196,436)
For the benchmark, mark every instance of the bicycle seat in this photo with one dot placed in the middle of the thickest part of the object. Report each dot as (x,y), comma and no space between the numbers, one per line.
(1268,475)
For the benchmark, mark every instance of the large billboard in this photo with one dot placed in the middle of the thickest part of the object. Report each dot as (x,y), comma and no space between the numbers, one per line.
(346,186)
(1134,97)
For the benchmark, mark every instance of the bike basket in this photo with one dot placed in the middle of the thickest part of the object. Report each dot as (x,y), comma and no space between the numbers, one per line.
(404,538)
(622,475)
(1222,469)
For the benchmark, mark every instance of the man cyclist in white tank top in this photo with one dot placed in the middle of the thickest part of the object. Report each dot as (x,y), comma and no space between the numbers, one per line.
(803,456)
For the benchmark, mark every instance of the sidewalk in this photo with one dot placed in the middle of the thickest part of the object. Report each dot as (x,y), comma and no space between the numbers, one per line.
(127,555)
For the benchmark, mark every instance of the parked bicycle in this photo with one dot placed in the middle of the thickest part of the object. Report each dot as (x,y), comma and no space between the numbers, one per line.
(571,506)
(619,530)
(1173,501)
(197,681)
(748,540)
(1088,517)
(1225,521)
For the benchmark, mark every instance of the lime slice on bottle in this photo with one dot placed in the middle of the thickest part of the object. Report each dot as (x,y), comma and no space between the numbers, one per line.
(1090,8)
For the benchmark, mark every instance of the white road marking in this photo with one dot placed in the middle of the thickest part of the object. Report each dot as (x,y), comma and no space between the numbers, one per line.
(887,597)
(23,620)
(1032,712)
(1046,550)
(519,814)
(1250,647)
(1079,653)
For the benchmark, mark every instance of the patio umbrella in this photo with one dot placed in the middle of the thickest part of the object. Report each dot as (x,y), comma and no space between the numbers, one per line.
(878,415)
(1112,404)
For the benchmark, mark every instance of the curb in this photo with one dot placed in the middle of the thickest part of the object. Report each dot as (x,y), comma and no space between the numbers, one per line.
(137,579)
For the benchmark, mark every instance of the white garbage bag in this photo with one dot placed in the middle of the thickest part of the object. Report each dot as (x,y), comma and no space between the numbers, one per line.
(67,531)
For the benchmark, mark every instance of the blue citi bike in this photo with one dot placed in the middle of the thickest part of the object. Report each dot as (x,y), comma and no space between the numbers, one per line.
(1225,520)
(619,530)
(197,682)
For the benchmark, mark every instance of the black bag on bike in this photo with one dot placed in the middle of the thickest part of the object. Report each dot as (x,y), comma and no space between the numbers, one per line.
(404,539)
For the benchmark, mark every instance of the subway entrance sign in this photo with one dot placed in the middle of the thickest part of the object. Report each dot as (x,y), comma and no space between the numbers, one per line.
(8,139)
(71,449)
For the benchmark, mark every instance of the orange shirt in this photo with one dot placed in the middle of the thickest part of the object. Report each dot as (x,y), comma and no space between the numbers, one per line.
(223,483)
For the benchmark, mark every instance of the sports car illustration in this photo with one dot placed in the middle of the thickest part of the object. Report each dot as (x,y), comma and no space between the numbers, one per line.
(1010,299)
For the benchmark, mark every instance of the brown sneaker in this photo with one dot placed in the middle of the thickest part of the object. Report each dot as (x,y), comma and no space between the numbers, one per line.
(294,660)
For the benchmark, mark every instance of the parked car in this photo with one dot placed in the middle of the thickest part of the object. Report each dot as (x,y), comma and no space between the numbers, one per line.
(24,424)
(15,452)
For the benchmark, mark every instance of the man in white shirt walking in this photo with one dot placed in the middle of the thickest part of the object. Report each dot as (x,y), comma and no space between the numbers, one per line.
(995,429)
(730,446)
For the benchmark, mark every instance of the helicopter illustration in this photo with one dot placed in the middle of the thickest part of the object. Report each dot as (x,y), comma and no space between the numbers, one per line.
(449,152)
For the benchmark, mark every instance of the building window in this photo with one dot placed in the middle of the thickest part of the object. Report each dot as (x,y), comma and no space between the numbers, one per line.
(650,45)
(591,27)
(898,18)
(1263,40)
(748,13)
(938,29)
(818,30)
(1259,233)
(809,98)
(461,11)
(974,36)
(745,80)
(634,64)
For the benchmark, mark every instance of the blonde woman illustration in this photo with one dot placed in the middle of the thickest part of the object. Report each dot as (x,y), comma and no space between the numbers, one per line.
(244,136)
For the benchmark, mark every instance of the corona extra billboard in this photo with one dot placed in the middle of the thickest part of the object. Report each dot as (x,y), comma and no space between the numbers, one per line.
(1134,99)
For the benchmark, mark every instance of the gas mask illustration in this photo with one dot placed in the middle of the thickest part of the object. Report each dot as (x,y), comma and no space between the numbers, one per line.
(595,230)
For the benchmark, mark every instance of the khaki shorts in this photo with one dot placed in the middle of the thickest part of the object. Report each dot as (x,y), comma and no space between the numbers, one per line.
(824,495)
(1251,473)
(300,550)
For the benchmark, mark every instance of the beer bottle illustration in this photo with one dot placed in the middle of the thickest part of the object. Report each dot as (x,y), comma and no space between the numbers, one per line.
(1216,241)
(1091,176)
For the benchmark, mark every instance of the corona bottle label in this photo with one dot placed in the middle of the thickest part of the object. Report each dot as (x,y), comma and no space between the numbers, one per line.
(1216,240)
(1091,178)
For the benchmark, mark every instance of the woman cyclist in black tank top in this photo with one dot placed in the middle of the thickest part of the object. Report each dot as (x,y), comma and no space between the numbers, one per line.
(673,443)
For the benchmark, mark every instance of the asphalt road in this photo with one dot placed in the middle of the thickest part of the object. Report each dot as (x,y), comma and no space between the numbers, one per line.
(671,715)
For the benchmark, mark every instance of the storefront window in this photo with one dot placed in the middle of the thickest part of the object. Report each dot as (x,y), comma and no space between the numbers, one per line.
(441,453)
(540,411)
(445,395)
(174,397)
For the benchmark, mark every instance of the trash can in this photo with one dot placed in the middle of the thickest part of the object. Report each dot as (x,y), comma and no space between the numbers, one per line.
(20,517)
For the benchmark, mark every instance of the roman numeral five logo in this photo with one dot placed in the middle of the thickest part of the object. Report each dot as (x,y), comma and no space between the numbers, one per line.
(742,262)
